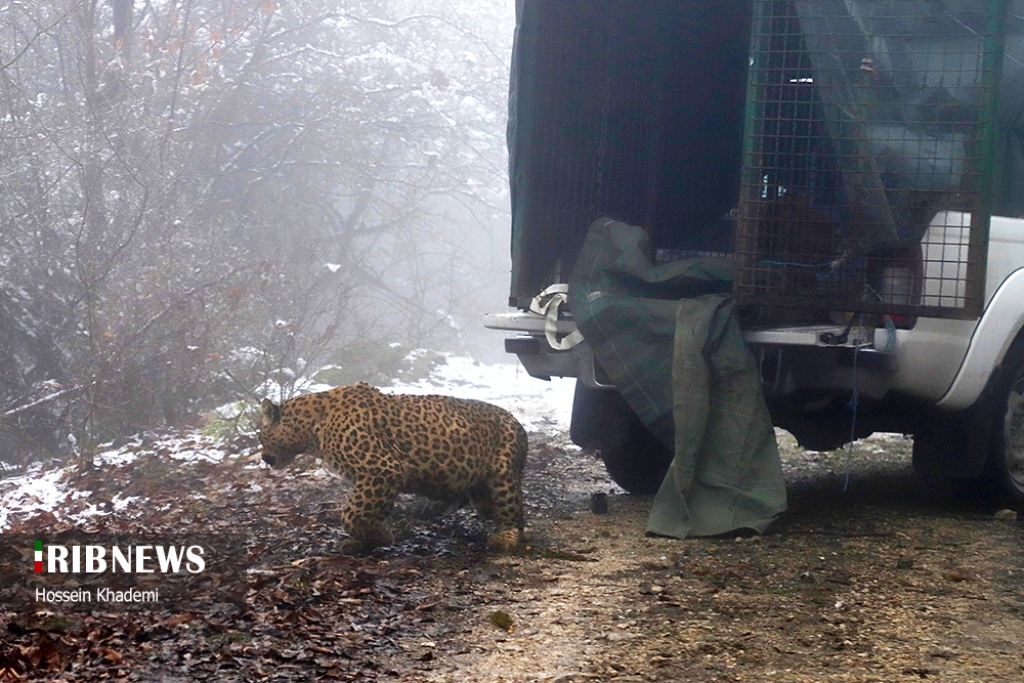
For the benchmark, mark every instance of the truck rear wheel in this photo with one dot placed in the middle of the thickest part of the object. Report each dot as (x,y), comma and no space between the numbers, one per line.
(639,465)
(1007,454)
(635,459)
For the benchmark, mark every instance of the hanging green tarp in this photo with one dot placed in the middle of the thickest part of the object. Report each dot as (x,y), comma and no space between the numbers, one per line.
(668,338)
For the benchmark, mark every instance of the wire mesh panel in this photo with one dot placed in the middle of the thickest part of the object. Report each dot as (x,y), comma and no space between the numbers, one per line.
(624,108)
(868,156)
(581,113)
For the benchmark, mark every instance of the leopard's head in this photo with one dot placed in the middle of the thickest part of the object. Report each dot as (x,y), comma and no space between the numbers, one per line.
(281,440)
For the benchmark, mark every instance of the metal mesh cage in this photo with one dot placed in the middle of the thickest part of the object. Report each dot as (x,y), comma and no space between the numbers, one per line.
(868,156)
(581,115)
(628,109)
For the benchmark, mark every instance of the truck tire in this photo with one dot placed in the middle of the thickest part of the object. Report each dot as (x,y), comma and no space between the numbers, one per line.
(640,463)
(602,420)
(1006,461)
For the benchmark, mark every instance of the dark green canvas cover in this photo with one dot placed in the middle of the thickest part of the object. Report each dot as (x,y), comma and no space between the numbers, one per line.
(628,109)
(668,337)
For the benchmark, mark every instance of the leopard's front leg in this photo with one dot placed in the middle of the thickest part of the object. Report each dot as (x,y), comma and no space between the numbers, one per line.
(373,496)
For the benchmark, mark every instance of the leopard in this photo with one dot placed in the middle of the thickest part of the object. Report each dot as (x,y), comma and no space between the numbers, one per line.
(449,449)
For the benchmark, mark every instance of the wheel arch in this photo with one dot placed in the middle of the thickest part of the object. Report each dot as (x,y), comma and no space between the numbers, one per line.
(1000,327)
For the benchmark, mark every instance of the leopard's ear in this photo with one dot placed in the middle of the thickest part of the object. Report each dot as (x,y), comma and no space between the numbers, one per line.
(270,413)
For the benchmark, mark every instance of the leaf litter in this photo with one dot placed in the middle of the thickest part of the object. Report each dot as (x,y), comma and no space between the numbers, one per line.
(896,579)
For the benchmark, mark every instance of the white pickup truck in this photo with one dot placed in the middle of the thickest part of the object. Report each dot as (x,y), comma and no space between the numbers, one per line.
(862,162)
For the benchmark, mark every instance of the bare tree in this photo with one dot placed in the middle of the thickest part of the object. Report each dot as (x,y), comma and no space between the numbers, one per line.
(202,194)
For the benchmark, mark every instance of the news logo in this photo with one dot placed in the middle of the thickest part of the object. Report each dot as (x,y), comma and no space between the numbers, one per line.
(76,570)
(132,559)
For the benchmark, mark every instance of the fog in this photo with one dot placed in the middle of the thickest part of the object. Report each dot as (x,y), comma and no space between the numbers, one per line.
(200,195)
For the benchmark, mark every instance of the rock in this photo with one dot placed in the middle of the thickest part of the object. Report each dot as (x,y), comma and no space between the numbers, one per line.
(1005,515)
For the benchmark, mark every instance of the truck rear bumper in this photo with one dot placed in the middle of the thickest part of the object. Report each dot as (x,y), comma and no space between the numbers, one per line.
(790,359)
(543,362)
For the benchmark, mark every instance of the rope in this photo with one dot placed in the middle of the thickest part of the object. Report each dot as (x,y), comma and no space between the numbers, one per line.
(547,304)
(854,404)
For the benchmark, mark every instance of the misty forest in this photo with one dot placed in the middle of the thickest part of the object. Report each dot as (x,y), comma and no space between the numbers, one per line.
(201,196)
(218,215)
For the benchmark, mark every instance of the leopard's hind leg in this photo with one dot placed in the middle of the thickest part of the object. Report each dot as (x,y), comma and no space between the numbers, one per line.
(505,486)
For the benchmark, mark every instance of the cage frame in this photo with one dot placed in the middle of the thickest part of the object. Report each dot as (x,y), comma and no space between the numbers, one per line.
(767,286)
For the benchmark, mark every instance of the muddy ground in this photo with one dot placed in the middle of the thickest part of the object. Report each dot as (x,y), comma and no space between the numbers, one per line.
(894,579)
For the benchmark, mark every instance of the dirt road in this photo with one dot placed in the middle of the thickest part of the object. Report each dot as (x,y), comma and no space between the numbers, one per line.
(893,580)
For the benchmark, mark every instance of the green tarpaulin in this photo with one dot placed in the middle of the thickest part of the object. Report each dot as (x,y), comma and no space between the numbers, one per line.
(668,337)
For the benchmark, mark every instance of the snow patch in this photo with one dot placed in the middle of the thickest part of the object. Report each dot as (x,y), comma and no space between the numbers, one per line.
(541,406)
